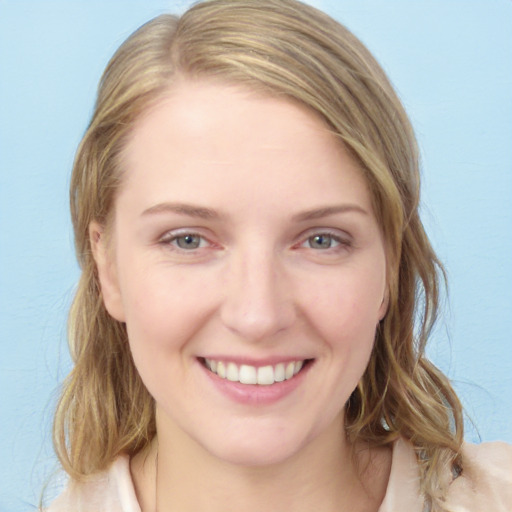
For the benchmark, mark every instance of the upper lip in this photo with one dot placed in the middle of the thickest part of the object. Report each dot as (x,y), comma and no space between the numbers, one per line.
(257,362)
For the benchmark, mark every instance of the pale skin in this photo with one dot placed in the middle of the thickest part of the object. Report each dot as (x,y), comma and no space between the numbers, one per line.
(244,233)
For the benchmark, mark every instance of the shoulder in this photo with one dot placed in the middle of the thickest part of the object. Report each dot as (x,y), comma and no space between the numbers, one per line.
(109,491)
(484,485)
(486,480)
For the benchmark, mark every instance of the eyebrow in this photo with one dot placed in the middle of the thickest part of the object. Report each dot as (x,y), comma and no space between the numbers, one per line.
(207,213)
(319,213)
(182,209)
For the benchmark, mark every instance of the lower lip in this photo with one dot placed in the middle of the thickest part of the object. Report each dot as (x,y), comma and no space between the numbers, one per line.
(254,394)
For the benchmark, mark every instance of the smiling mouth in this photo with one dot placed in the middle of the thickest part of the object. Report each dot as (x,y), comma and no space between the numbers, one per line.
(261,375)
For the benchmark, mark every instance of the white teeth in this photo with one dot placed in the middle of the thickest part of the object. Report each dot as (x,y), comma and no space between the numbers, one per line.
(247,374)
(232,372)
(266,375)
(221,370)
(279,375)
(288,373)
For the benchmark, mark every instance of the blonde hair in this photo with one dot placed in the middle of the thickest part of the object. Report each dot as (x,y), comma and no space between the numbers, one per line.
(281,47)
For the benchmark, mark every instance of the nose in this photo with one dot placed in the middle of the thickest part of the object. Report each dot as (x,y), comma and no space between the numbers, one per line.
(257,301)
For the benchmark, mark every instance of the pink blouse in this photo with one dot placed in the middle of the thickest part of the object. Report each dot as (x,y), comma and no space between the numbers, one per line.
(484,486)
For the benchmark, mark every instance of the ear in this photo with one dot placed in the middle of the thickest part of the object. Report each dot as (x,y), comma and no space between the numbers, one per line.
(384,305)
(107,271)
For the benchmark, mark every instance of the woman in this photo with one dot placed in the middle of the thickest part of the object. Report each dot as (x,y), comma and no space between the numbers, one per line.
(245,205)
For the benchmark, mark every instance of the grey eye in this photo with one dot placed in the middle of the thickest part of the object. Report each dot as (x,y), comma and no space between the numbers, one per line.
(321,241)
(188,241)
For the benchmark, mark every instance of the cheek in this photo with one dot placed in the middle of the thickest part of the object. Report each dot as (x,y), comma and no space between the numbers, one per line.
(345,317)
(164,306)
(347,308)
(160,320)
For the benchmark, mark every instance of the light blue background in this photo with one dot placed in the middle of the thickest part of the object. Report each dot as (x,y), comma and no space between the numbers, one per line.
(451,61)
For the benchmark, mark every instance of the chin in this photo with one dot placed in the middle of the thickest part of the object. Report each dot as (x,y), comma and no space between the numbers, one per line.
(256,456)
(257,447)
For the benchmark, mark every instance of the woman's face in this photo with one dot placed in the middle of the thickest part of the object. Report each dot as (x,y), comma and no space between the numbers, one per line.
(249,268)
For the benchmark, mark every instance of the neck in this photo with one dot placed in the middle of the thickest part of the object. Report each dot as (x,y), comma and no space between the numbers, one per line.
(327,475)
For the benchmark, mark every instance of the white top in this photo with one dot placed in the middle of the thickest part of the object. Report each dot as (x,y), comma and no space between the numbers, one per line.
(485,485)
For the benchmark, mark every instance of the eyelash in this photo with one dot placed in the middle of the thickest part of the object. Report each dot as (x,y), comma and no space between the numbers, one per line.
(340,243)
(172,239)
(332,236)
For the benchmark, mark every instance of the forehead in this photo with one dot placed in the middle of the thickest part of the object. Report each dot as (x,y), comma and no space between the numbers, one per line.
(201,104)
(204,136)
